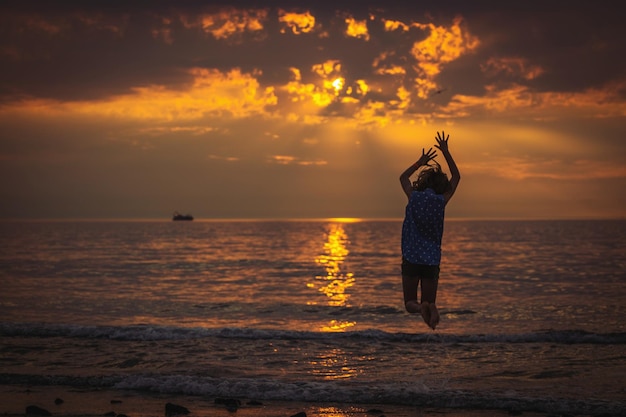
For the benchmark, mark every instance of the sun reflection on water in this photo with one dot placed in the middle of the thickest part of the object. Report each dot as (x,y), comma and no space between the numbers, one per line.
(337,326)
(333,364)
(337,280)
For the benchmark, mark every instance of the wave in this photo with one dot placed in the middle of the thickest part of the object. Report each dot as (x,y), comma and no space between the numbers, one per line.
(395,393)
(153,333)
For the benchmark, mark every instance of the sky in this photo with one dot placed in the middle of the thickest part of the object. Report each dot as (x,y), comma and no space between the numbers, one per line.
(309,109)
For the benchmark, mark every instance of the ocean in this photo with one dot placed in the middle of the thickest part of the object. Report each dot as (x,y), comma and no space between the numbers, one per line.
(533,313)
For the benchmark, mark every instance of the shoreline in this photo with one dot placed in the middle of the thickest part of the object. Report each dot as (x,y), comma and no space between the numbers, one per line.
(69,401)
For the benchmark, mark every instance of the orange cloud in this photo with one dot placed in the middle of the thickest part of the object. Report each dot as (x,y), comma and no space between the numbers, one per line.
(362,87)
(228,22)
(441,46)
(391,70)
(297,23)
(328,68)
(393,25)
(598,103)
(519,169)
(307,100)
(357,29)
(592,103)
(321,95)
(373,113)
(382,67)
(495,100)
(163,130)
(424,86)
(223,158)
(213,93)
(292,160)
(300,92)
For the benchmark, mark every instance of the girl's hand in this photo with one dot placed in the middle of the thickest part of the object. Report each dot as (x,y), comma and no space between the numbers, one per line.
(426,157)
(442,141)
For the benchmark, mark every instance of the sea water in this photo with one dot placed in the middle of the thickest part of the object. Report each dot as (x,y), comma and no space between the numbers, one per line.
(533,313)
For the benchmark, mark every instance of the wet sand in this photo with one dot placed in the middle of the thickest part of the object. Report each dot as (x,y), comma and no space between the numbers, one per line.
(68,401)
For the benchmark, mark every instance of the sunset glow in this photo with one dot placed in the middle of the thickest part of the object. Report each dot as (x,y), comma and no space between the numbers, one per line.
(307,110)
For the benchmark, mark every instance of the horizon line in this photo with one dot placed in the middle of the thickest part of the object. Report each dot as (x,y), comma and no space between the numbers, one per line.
(291,219)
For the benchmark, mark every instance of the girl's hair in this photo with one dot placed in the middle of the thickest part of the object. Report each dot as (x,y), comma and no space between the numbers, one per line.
(432,177)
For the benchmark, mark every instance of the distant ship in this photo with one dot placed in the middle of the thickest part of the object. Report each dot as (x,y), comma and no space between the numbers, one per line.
(178,216)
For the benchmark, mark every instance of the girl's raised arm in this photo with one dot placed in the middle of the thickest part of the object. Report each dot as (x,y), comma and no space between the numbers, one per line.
(405,177)
(442,145)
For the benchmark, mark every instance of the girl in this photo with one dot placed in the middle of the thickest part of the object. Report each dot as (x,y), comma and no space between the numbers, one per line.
(422,229)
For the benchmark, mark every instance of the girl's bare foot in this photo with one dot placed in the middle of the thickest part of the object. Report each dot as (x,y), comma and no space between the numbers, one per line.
(425,310)
(434,316)
(412,306)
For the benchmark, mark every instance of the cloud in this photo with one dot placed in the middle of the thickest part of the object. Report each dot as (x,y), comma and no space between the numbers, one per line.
(519,169)
(357,28)
(513,67)
(441,46)
(296,23)
(230,22)
(293,160)
(593,103)
(180,37)
(212,93)
(399,78)
(224,158)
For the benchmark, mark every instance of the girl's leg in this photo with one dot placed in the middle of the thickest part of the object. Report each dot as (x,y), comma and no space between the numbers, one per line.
(429,296)
(429,289)
(434,316)
(409,288)
(425,310)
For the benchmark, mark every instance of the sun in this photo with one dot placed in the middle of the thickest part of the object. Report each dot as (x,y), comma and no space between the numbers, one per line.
(338,84)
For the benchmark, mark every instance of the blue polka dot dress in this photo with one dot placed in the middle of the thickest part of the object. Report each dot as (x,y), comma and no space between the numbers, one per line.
(422,229)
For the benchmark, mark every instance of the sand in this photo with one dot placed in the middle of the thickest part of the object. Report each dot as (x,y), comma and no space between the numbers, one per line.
(97,402)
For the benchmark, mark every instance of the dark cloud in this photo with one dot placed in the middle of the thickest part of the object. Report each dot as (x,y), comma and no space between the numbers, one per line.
(577,44)
(85,50)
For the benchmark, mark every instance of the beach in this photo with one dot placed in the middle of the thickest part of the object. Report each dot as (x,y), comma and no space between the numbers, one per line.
(136,404)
